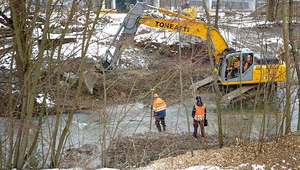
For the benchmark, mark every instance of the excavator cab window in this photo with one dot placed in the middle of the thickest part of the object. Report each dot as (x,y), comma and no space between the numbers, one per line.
(265,59)
(247,61)
(232,70)
(219,67)
(268,61)
(256,61)
(228,69)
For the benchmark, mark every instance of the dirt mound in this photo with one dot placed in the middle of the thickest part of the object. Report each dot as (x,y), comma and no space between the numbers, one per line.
(281,154)
(163,75)
(139,150)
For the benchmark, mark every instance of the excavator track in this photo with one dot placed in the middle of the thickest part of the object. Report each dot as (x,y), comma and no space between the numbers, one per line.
(202,83)
(247,91)
(235,95)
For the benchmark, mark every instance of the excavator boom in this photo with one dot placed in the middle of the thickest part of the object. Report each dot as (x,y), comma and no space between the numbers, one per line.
(189,26)
(127,29)
(135,17)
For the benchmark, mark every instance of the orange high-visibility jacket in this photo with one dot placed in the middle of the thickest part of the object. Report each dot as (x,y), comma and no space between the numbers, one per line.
(159,108)
(200,112)
(237,64)
(246,64)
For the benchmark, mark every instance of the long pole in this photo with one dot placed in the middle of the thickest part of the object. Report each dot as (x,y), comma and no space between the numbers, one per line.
(151,107)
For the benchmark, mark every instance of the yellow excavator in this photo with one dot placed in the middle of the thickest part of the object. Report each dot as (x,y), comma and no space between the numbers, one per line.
(252,68)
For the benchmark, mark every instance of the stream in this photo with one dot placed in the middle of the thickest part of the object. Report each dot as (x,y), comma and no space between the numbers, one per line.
(87,128)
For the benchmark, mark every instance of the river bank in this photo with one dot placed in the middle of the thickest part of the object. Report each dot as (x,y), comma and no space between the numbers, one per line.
(131,152)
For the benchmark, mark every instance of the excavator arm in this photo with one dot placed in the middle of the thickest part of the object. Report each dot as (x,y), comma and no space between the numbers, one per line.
(189,26)
(127,29)
(185,25)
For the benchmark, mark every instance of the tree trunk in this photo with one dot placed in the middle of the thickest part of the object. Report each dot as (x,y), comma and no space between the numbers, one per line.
(288,69)
(270,10)
(11,116)
(294,52)
(217,15)
(218,93)
(80,72)
(263,123)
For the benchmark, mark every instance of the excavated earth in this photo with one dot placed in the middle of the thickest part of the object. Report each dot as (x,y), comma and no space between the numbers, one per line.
(283,153)
(163,75)
(139,150)
(173,151)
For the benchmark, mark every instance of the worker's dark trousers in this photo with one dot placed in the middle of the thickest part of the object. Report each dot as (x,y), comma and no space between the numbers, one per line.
(195,123)
(162,120)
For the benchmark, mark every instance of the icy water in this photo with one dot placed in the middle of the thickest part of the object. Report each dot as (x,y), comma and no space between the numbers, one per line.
(135,118)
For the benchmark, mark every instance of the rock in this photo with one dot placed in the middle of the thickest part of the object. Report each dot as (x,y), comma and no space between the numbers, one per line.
(245,117)
(70,77)
(90,78)
(63,84)
(58,30)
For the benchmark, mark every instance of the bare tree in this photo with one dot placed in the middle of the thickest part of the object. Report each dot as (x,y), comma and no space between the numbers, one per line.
(295,54)
(271,9)
(287,110)
(22,23)
(217,15)
(220,129)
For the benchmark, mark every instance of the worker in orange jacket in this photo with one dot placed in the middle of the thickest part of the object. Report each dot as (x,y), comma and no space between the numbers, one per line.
(159,112)
(247,63)
(237,62)
(198,114)
(236,69)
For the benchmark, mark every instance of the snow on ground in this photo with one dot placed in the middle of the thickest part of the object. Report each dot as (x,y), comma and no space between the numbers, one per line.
(254,167)
(106,31)
(49,101)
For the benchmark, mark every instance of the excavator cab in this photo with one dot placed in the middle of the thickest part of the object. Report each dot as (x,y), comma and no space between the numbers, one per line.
(236,67)
(250,68)
(268,68)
